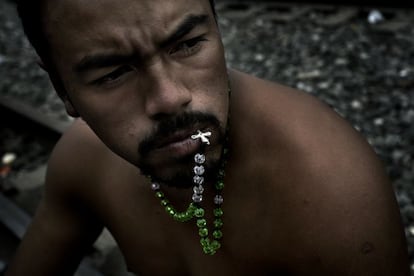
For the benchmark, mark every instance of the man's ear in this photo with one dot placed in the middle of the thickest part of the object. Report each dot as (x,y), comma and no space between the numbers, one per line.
(60,89)
(70,109)
(63,95)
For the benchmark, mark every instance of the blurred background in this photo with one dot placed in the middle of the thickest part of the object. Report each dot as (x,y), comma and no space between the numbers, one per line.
(356,56)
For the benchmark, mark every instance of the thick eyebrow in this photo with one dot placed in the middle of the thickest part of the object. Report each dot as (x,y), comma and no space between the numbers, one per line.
(189,23)
(97,61)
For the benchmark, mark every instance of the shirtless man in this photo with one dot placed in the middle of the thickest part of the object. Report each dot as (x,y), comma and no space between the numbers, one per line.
(303,192)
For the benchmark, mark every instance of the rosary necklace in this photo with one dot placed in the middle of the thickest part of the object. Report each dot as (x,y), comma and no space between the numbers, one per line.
(210,243)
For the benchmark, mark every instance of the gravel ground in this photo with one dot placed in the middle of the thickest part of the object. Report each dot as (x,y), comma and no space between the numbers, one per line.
(365,71)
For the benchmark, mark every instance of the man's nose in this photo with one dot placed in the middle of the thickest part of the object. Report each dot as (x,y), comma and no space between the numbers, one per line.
(168,93)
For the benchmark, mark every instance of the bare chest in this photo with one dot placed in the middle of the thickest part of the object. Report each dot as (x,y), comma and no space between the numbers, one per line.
(254,236)
(154,244)
(176,250)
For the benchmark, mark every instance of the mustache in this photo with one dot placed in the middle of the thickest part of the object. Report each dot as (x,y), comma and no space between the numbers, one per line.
(169,126)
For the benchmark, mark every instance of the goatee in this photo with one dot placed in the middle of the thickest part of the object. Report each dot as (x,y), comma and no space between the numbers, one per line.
(182,177)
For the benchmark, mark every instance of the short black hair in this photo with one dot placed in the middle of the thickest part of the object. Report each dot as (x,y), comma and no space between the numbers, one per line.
(30,13)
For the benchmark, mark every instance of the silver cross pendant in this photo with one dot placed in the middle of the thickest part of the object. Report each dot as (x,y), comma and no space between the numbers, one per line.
(203,136)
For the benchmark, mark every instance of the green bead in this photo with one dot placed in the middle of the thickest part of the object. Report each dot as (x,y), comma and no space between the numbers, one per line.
(201,223)
(205,242)
(203,232)
(217,234)
(219,185)
(218,223)
(191,208)
(179,217)
(188,216)
(215,245)
(208,250)
(159,194)
(164,202)
(218,212)
(199,212)
(170,210)
(221,173)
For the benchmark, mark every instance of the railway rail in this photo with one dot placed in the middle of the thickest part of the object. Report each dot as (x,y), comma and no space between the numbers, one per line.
(16,209)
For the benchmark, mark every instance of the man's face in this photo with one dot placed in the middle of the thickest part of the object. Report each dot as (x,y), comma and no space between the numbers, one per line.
(145,75)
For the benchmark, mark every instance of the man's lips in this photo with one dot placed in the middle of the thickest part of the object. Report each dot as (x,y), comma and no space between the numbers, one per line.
(177,145)
(175,138)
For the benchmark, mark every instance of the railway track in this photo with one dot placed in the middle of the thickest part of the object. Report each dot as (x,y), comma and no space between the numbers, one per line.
(22,186)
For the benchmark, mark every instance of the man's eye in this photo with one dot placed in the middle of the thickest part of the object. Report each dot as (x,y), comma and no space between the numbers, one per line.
(188,47)
(114,76)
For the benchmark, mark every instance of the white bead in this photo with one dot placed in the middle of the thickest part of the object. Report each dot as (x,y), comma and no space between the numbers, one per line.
(199,158)
(199,170)
(198,189)
(199,180)
(218,200)
(155,186)
(197,198)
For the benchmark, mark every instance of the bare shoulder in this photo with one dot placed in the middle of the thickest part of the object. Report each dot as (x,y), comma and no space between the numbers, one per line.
(339,202)
(77,145)
(82,160)
(83,169)
(75,160)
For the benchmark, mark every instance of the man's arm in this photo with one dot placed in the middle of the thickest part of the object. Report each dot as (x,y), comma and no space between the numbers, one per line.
(54,243)
(64,227)
(354,221)
(350,217)
(334,200)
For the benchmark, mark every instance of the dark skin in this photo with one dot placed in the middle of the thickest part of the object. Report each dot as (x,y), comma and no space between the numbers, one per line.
(304,194)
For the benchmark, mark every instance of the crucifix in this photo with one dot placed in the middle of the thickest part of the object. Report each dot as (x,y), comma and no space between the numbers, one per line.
(203,136)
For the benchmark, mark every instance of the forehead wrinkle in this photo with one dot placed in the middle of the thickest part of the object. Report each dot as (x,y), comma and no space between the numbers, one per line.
(138,42)
(126,34)
(103,44)
(87,31)
(158,23)
(130,26)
